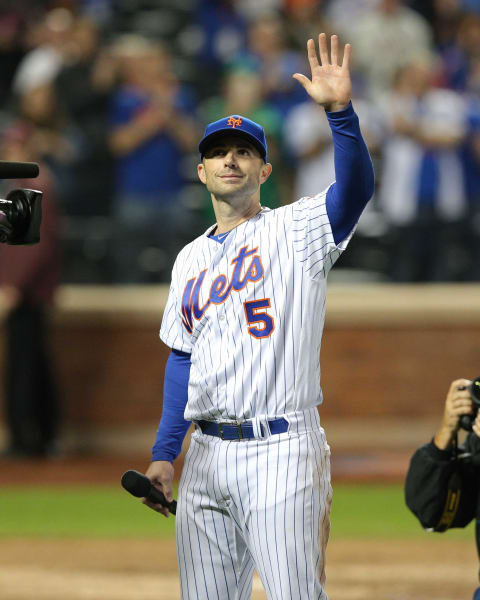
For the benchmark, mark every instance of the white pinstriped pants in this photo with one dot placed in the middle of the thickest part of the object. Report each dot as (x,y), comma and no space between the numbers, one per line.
(261,504)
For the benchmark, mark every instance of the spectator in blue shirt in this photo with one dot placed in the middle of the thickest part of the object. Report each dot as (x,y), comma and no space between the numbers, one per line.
(152,129)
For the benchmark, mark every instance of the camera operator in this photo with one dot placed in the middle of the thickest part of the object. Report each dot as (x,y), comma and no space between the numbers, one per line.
(29,276)
(443,480)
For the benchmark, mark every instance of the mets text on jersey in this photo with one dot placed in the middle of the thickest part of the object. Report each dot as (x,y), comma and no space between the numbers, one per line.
(221,288)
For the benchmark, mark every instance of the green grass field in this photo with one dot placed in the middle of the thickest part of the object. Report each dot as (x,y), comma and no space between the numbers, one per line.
(374,511)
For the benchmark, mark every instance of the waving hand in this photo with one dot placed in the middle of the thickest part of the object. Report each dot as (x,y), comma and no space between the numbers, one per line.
(330,85)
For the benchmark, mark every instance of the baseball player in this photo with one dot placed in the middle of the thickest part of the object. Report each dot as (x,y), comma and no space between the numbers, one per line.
(244,321)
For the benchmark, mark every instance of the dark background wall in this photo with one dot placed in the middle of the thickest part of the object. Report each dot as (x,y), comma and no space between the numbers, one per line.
(388,353)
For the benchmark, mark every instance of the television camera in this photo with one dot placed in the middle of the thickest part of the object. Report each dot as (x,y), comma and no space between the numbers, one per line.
(21,210)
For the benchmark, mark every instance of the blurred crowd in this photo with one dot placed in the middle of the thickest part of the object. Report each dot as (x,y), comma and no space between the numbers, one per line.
(111,98)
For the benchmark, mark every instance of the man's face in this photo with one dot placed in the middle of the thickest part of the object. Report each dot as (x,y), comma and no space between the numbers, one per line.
(233,168)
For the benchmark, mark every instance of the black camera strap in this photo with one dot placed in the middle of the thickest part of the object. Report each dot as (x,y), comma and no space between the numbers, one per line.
(454,493)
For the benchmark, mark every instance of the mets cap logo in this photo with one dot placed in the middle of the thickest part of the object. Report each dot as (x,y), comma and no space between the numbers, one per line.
(234,121)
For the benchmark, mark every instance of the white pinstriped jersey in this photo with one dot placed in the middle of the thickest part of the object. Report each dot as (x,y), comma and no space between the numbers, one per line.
(251,312)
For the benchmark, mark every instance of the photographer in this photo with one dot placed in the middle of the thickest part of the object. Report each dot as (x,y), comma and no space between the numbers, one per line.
(442,485)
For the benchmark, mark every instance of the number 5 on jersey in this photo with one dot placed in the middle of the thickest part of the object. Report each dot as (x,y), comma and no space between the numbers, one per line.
(261,324)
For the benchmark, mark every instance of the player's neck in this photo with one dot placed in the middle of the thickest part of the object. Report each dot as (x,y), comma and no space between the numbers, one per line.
(229,215)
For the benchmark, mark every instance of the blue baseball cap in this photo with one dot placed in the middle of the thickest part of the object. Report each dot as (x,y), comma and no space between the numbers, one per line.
(235,125)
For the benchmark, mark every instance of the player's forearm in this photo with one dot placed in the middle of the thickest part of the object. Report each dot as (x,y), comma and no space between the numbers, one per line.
(354,174)
(173,427)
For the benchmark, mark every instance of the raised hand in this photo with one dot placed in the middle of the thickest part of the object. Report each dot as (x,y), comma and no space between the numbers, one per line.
(458,403)
(330,85)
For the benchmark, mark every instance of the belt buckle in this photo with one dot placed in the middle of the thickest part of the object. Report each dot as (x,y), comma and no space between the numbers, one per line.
(237,425)
(240,432)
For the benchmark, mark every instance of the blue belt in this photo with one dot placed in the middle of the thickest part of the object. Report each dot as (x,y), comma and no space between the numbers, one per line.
(239,431)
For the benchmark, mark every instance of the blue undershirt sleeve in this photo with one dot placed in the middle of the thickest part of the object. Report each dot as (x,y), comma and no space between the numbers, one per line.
(173,427)
(354,175)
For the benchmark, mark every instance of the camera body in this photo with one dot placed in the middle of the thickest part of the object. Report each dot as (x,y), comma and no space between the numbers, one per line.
(20,217)
(466,421)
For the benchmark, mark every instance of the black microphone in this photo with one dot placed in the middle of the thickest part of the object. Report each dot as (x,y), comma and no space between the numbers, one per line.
(139,485)
(18,170)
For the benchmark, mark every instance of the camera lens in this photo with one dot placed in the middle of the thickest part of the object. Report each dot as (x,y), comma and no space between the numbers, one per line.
(20,217)
(475,390)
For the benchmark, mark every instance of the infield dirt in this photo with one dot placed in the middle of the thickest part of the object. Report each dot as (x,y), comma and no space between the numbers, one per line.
(33,569)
